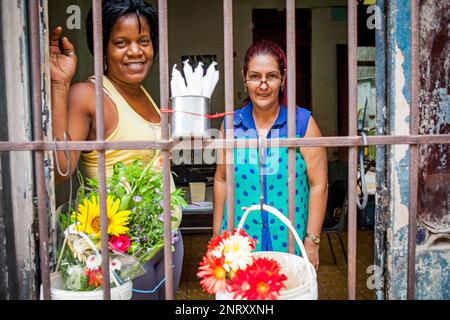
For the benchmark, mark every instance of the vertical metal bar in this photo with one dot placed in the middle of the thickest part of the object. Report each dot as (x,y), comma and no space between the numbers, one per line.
(98,66)
(290,48)
(34,17)
(413,150)
(164,92)
(229,101)
(352,152)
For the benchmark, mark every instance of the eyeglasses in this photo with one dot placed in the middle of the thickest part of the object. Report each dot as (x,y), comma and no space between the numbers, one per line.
(257,80)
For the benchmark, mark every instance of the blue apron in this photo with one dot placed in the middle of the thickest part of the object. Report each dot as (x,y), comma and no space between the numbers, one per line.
(271,234)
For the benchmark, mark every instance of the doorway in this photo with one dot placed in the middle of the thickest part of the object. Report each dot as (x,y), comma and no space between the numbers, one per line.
(270,24)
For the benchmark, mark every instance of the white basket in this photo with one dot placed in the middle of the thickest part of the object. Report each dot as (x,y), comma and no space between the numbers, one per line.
(301,283)
(57,291)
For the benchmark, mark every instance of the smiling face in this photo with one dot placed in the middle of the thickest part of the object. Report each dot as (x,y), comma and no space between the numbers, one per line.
(129,54)
(264,95)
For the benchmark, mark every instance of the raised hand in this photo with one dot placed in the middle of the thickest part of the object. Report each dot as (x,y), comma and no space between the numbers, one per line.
(62,64)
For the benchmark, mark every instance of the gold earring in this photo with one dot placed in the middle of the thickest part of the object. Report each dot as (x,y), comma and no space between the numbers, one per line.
(245,88)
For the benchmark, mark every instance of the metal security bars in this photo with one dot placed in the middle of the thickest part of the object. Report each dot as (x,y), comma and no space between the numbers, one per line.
(98,67)
(290,48)
(38,134)
(164,83)
(352,151)
(228,51)
(166,145)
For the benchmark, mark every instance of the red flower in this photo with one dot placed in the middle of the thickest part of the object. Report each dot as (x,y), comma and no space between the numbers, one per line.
(260,281)
(95,277)
(213,274)
(215,241)
(121,243)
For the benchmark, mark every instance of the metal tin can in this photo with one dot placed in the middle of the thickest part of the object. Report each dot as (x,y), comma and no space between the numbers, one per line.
(189,117)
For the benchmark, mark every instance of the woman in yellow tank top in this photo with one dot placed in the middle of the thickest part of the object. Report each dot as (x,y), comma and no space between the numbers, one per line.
(130,126)
(130,44)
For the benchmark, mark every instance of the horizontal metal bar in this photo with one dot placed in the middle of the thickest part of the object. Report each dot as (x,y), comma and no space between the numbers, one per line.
(195,228)
(348,141)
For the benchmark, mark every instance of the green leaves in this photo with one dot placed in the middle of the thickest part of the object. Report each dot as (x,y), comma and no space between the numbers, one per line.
(140,189)
(125,202)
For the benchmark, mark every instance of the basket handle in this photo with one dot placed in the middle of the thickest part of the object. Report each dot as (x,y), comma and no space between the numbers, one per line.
(283,219)
(287,222)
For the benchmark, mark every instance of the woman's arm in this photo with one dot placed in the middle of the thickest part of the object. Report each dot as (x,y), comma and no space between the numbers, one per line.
(317,171)
(220,189)
(69,105)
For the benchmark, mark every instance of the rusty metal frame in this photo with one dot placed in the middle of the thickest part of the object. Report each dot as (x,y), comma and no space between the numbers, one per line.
(352,151)
(35,50)
(348,141)
(290,50)
(229,107)
(164,91)
(98,67)
(352,141)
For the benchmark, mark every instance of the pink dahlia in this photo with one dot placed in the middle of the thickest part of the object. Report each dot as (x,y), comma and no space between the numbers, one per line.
(121,243)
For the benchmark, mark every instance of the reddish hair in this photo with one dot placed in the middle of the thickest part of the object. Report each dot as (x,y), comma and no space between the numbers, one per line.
(267,47)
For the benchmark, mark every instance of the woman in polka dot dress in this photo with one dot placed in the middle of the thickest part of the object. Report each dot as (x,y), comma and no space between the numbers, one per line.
(265,115)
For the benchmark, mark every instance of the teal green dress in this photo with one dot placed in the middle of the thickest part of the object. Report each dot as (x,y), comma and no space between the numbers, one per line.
(271,234)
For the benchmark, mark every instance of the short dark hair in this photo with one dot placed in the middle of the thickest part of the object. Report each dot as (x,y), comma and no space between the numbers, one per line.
(112,11)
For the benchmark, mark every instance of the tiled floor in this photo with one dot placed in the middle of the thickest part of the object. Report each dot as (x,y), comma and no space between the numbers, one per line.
(332,277)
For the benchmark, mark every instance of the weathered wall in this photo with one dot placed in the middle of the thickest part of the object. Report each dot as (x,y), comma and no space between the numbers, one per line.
(8,274)
(398,84)
(433,239)
(16,73)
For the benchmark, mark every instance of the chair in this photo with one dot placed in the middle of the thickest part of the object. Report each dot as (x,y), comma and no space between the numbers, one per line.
(336,214)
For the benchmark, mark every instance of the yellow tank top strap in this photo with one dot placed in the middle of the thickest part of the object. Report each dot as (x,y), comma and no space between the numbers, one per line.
(130,127)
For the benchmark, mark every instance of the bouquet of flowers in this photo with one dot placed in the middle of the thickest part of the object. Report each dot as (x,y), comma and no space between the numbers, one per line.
(228,265)
(135,226)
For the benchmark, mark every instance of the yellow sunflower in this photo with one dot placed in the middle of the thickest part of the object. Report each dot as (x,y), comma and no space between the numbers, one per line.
(88,217)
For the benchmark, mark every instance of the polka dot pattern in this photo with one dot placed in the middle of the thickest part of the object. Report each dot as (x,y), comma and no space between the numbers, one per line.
(265,227)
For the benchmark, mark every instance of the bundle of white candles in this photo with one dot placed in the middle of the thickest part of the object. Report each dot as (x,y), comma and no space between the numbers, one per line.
(196,83)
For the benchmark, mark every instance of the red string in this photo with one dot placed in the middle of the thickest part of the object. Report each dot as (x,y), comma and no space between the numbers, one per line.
(208,116)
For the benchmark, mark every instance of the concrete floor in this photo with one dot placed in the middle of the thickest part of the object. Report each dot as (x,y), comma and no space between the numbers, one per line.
(332,278)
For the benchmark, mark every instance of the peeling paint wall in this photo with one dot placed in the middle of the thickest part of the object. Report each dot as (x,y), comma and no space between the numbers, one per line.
(381,195)
(398,99)
(8,286)
(15,46)
(435,113)
(433,238)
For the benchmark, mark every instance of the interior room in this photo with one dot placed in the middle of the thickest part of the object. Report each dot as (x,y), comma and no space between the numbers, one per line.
(196,32)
